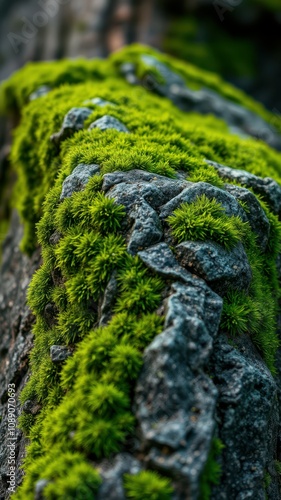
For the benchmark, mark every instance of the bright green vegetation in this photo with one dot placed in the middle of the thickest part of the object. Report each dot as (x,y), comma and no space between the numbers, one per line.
(147,484)
(205,219)
(87,401)
(212,471)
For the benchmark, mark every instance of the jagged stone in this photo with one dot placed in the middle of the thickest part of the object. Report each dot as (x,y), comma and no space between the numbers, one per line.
(194,190)
(106,310)
(109,122)
(73,121)
(112,472)
(255,214)
(267,187)
(161,260)
(60,353)
(221,269)
(241,121)
(248,413)
(175,401)
(78,179)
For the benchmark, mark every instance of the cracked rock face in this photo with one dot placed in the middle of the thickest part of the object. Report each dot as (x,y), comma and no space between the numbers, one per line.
(194,384)
(78,179)
(241,121)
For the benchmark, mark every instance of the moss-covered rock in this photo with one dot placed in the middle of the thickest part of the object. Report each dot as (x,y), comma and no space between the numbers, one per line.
(128,367)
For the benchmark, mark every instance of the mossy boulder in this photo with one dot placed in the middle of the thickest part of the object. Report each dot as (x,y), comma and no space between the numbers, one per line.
(154,372)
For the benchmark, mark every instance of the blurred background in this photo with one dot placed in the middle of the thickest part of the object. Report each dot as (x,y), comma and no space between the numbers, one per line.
(239,39)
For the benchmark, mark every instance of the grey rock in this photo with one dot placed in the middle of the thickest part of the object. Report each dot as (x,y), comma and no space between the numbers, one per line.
(112,471)
(175,401)
(98,101)
(78,179)
(109,122)
(106,310)
(144,224)
(39,489)
(266,186)
(161,260)
(16,341)
(194,190)
(248,412)
(40,92)
(257,219)
(220,268)
(55,238)
(241,121)
(169,187)
(128,70)
(60,353)
(73,121)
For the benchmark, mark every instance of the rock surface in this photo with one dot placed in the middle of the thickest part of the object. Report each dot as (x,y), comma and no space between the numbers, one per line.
(109,122)
(16,341)
(241,121)
(78,179)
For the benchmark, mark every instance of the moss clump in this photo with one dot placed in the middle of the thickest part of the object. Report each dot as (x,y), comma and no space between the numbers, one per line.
(147,484)
(87,401)
(205,219)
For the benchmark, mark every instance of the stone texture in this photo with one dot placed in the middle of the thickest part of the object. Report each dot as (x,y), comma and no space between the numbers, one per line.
(109,122)
(194,190)
(59,353)
(257,219)
(248,416)
(78,179)
(106,309)
(241,121)
(16,340)
(175,401)
(73,121)
(220,268)
(112,472)
(266,186)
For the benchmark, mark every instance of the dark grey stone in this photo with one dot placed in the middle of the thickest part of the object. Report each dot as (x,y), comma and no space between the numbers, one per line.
(60,353)
(78,179)
(175,401)
(248,415)
(106,310)
(169,187)
(147,228)
(161,260)
(266,186)
(257,219)
(194,190)
(40,92)
(73,121)
(112,471)
(109,122)
(221,269)
(241,121)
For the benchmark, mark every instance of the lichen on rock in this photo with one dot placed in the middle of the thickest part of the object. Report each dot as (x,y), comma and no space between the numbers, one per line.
(156,305)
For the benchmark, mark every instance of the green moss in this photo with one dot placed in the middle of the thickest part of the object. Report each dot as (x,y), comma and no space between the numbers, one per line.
(205,219)
(147,484)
